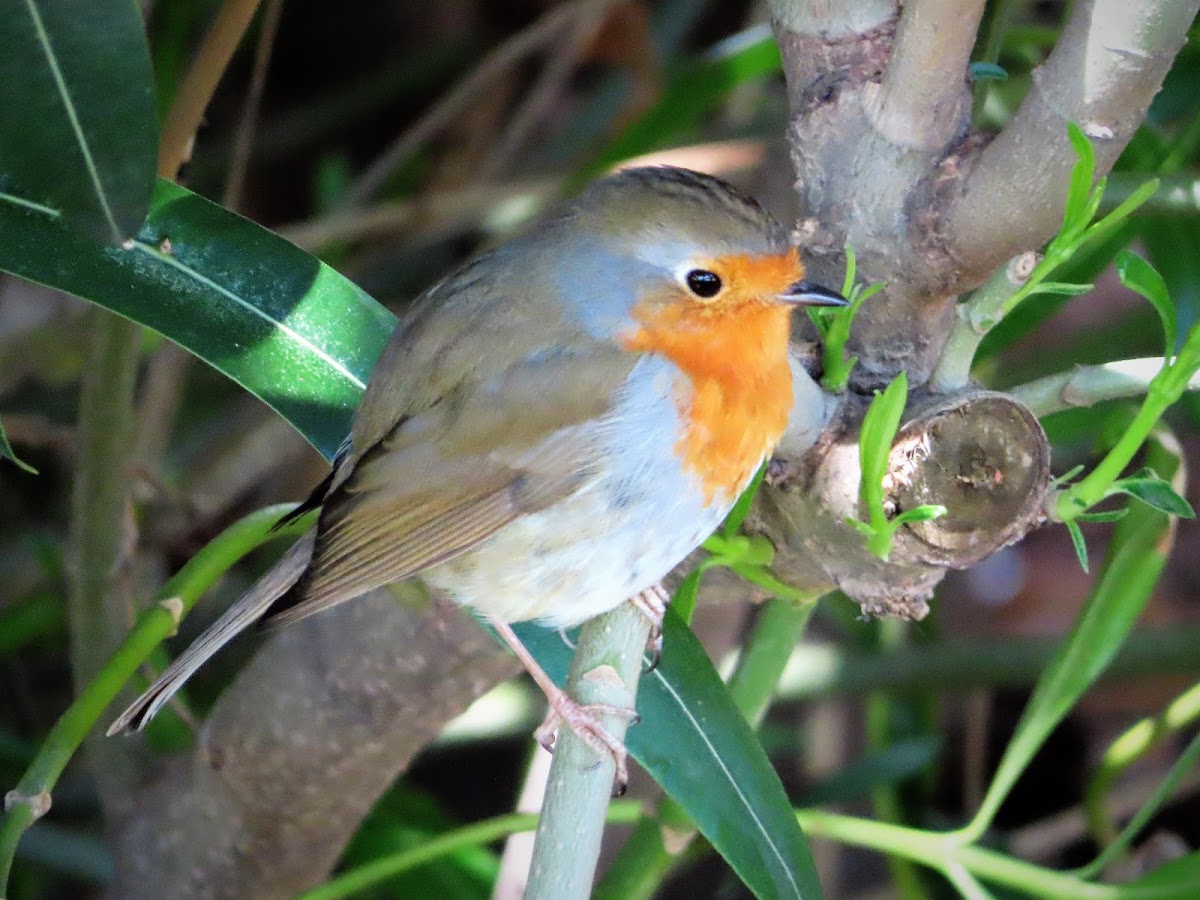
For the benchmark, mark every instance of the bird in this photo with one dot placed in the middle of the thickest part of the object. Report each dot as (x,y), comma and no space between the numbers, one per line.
(555,425)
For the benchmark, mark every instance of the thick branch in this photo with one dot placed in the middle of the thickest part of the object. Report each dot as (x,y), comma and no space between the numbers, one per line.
(1103,73)
(100,606)
(300,746)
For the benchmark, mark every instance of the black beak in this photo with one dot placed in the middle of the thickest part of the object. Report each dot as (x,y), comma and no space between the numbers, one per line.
(803,293)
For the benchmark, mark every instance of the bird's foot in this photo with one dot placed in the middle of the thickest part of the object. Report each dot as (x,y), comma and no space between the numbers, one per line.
(585,722)
(652,603)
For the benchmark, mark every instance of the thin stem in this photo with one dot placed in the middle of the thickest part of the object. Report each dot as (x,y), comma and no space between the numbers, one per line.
(940,851)
(885,798)
(1126,750)
(1087,385)
(31,797)
(663,838)
(975,318)
(243,141)
(187,112)
(1187,760)
(605,670)
(620,812)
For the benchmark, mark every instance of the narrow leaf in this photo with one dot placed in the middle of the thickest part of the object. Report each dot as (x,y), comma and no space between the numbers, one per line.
(1112,515)
(701,751)
(1156,493)
(6,452)
(1135,558)
(1080,187)
(985,71)
(80,135)
(879,428)
(1078,543)
(925,513)
(1061,288)
(1138,275)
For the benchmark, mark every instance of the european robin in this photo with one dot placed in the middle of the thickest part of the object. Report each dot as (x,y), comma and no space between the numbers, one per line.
(557,424)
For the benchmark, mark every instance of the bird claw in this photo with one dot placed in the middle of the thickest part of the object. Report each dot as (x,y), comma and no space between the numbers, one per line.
(652,603)
(585,722)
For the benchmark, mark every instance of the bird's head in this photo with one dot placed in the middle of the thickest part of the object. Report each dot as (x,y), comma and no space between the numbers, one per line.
(674,261)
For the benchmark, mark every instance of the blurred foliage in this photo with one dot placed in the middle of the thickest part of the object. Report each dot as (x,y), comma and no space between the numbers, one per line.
(654,76)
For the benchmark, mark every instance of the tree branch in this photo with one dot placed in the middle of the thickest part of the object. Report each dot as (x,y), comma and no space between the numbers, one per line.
(100,608)
(298,748)
(1086,385)
(1106,68)
(922,98)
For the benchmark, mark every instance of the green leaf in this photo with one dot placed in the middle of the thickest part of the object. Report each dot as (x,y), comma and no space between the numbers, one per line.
(1078,543)
(737,515)
(6,452)
(1079,192)
(701,751)
(878,768)
(1138,275)
(1135,558)
(1178,879)
(1062,288)
(985,71)
(80,135)
(879,429)
(1154,492)
(286,327)
(1112,515)
(927,512)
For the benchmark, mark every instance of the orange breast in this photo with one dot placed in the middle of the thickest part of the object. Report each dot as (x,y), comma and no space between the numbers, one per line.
(737,390)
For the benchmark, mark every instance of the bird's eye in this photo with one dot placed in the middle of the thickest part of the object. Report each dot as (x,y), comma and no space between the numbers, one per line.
(703,283)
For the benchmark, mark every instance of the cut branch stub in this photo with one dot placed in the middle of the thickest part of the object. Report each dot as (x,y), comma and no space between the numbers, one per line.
(980,454)
(984,457)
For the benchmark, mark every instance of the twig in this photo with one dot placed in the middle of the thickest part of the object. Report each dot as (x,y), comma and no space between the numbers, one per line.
(974,319)
(438,211)
(243,140)
(187,112)
(1107,66)
(922,99)
(512,51)
(605,669)
(1087,385)
(545,91)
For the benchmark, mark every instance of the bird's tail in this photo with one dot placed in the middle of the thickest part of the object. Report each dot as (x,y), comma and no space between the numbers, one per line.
(245,612)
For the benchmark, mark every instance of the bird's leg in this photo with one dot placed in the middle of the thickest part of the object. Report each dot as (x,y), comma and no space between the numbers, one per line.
(583,720)
(652,603)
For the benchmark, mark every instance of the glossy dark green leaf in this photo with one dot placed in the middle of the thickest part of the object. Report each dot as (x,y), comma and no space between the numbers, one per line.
(701,751)
(286,327)
(1174,251)
(1138,275)
(80,133)
(6,452)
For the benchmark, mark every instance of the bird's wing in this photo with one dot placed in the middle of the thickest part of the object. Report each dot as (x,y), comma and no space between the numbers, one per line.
(470,454)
